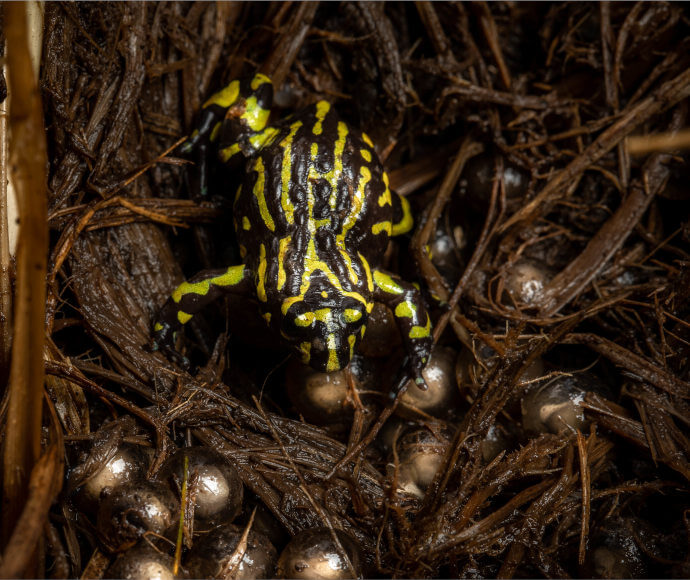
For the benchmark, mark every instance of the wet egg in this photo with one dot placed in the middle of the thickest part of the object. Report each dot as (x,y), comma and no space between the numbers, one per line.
(142,562)
(321,398)
(391,431)
(445,250)
(129,462)
(614,552)
(420,455)
(441,397)
(213,484)
(326,399)
(554,406)
(216,555)
(314,554)
(133,509)
(480,176)
(524,283)
(495,442)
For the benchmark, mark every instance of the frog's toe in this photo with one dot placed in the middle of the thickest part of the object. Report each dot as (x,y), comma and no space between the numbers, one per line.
(164,341)
(181,361)
(420,382)
(186,147)
(399,385)
(172,355)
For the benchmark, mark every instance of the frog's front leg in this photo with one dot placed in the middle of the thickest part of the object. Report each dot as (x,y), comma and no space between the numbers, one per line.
(411,316)
(190,297)
(199,144)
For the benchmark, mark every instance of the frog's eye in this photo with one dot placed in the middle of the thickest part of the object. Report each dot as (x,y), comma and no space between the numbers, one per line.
(352,315)
(305,319)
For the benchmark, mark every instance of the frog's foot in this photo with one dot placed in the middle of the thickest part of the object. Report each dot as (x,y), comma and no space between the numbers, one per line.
(164,341)
(410,370)
(412,318)
(418,378)
(191,144)
(418,359)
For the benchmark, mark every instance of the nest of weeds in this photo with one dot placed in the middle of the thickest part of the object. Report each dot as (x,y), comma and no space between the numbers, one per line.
(540,142)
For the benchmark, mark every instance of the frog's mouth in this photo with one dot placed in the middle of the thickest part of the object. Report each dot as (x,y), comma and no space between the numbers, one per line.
(326,336)
(326,353)
(329,352)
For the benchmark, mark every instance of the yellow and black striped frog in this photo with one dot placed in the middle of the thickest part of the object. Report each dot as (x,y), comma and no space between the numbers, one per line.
(313,217)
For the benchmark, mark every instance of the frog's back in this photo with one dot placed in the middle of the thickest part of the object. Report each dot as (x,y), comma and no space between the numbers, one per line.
(316,180)
(313,217)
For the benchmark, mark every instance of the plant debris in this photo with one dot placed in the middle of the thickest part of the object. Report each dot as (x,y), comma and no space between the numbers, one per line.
(549,234)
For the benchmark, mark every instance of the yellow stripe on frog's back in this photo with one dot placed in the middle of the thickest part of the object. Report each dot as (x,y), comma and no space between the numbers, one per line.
(260,194)
(282,249)
(313,264)
(334,175)
(286,173)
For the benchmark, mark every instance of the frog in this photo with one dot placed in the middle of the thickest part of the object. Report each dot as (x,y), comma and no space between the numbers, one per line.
(313,215)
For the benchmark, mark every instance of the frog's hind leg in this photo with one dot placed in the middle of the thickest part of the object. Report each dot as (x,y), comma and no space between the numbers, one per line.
(192,296)
(402,215)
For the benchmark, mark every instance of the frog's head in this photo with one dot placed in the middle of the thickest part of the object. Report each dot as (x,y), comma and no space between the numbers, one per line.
(325,337)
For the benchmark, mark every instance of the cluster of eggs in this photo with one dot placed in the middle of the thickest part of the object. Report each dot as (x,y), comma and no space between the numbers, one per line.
(418,437)
(137,520)
(415,444)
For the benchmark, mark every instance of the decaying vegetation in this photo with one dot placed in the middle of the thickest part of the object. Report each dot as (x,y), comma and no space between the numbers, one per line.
(521,127)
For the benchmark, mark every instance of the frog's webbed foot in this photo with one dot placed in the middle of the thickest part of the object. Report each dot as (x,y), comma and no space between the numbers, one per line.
(419,353)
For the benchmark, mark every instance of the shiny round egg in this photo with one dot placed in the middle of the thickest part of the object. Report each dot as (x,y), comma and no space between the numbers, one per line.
(216,555)
(524,283)
(212,483)
(445,249)
(441,397)
(554,406)
(326,399)
(614,551)
(142,561)
(480,177)
(321,398)
(314,554)
(495,442)
(134,509)
(128,462)
(420,454)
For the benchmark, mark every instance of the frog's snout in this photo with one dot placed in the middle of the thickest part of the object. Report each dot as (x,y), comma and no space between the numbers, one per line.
(330,352)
